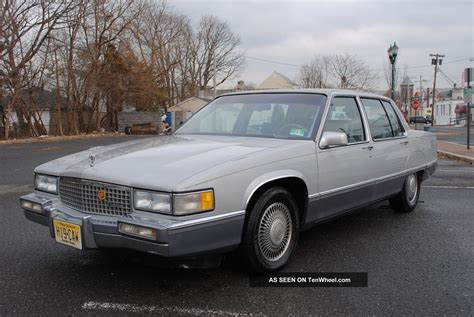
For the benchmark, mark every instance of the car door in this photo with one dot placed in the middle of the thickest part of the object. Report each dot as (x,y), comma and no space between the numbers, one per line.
(390,146)
(344,178)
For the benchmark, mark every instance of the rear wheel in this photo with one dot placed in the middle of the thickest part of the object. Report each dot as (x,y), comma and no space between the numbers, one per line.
(271,231)
(407,199)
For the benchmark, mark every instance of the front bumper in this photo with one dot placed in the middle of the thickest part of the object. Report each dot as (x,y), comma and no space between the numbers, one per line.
(176,236)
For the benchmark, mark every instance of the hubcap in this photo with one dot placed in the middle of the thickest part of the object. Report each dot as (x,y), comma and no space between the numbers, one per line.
(411,188)
(275,231)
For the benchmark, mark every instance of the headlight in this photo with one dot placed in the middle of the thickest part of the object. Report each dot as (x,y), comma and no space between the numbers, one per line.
(152,201)
(46,183)
(189,203)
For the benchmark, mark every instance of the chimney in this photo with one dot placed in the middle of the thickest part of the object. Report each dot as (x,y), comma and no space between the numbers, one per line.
(240,85)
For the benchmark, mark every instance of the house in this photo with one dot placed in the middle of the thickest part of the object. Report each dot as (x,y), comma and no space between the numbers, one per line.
(450,107)
(277,81)
(40,104)
(185,109)
(192,105)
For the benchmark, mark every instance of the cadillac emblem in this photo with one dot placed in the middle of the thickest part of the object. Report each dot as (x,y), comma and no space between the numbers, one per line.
(101,194)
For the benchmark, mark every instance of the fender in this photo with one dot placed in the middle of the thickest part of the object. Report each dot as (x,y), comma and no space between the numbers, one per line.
(266,178)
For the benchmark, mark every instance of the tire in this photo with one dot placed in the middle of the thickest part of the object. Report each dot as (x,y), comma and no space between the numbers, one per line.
(127,130)
(271,231)
(407,199)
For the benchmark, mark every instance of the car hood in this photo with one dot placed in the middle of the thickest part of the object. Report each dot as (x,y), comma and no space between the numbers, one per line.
(157,163)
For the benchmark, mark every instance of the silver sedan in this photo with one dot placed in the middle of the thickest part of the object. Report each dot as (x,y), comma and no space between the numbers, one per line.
(247,172)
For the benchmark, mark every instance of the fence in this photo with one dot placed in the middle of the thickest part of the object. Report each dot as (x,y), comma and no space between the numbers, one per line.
(126,119)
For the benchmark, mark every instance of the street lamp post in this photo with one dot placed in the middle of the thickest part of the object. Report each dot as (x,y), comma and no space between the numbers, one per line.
(392,55)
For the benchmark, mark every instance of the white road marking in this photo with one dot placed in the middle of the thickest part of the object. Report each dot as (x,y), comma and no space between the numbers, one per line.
(130,308)
(449,187)
(459,171)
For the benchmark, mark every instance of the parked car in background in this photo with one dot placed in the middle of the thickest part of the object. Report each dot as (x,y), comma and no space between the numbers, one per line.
(420,119)
(249,171)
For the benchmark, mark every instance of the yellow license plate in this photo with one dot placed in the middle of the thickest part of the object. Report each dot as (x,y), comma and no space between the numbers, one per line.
(67,233)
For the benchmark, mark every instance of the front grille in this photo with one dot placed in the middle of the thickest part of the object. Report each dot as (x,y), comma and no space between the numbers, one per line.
(83,195)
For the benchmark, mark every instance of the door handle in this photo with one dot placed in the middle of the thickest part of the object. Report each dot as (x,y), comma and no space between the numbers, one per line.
(370,147)
(404,142)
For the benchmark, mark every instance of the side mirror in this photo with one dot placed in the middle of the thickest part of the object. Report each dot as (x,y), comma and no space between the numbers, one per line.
(329,139)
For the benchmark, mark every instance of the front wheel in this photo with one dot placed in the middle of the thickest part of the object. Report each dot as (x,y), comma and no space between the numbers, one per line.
(271,231)
(407,199)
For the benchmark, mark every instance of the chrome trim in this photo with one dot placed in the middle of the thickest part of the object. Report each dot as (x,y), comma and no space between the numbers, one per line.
(391,138)
(268,181)
(81,195)
(332,191)
(343,146)
(199,221)
(375,180)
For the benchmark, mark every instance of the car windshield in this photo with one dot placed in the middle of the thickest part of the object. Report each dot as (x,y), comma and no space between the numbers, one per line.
(271,115)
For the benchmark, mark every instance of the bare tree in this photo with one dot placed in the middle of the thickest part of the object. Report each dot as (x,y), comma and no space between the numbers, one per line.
(97,56)
(24,28)
(350,72)
(215,45)
(315,74)
(160,37)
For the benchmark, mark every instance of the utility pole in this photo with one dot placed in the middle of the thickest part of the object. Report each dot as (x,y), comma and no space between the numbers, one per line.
(215,71)
(435,60)
(468,73)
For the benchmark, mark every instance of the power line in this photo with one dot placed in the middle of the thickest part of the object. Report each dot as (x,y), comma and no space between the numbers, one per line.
(270,61)
(373,69)
(446,76)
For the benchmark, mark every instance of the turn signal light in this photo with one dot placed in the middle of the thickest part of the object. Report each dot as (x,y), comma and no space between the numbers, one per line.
(31,206)
(137,231)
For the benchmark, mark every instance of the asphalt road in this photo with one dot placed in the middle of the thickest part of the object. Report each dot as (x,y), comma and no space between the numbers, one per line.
(453,134)
(419,263)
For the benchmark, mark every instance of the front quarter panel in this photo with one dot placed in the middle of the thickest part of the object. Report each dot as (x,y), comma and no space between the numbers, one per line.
(239,180)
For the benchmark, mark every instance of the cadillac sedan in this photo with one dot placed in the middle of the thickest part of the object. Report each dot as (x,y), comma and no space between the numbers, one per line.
(248,172)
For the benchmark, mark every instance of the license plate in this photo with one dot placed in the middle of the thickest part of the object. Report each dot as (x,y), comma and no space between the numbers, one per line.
(68,233)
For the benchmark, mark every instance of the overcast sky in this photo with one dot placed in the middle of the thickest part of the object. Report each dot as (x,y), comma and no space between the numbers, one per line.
(294,31)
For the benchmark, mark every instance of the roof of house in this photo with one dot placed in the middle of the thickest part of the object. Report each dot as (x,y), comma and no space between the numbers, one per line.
(407,82)
(192,104)
(276,81)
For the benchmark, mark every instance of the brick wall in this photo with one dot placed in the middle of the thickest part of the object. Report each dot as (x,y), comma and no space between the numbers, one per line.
(130,118)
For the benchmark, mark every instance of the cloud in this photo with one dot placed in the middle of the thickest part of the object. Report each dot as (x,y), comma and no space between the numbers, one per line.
(294,31)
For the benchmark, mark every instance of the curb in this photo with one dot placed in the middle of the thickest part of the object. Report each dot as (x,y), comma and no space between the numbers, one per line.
(459,157)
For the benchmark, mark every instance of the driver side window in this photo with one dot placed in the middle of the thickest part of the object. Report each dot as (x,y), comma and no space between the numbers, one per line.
(344,116)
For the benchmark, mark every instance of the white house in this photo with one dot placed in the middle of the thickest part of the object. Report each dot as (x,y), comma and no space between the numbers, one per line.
(450,108)
(276,81)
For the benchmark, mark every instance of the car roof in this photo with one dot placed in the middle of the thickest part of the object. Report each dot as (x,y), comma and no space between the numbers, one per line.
(327,92)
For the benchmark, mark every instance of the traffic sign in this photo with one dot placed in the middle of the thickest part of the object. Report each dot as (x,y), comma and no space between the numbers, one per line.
(467,92)
(415,104)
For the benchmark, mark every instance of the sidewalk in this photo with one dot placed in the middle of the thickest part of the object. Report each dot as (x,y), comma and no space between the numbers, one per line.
(456,151)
